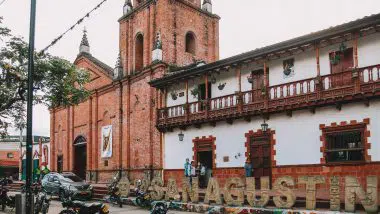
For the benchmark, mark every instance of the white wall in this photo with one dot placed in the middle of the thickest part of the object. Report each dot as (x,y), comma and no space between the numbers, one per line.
(228,77)
(180,87)
(305,66)
(369,50)
(297,137)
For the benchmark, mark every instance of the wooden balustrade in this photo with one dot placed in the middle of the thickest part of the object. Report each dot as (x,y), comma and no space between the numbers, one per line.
(293,94)
(292,89)
(369,74)
(337,80)
(252,96)
(223,102)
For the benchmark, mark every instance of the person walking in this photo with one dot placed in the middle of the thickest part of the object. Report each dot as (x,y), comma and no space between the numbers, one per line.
(248,168)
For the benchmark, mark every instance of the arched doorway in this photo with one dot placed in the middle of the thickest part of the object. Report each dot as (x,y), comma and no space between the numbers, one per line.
(80,156)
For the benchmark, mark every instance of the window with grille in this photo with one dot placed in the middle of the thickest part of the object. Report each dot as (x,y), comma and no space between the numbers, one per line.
(345,145)
(10,155)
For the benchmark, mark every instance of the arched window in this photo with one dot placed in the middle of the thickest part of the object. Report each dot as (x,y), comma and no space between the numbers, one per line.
(139,52)
(190,43)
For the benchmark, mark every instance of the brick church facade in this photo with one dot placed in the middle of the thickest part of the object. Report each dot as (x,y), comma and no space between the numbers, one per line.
(305,106)
(122,97)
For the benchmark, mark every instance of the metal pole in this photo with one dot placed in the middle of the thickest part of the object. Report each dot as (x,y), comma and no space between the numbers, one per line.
(20,170)
(29,124)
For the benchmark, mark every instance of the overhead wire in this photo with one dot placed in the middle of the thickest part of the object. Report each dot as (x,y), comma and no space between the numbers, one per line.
(2,2)
(87,15)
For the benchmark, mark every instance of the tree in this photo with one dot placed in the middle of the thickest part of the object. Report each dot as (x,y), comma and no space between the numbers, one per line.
(56,81)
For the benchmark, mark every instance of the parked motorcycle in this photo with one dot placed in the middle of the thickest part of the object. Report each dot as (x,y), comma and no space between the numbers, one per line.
(42,201)
(79,207)
(114,196)
(6,200)
(143,199)
(160,207)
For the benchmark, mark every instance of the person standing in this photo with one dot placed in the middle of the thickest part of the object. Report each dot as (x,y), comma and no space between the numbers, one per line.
(202,177)
(193,172)
(248,168)
(187,168)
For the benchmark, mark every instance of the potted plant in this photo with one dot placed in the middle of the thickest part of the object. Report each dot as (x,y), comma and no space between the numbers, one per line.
(355,72)
(250,78)
(335,58)
(195,91)
(173,94)
(263,90)
(221,86)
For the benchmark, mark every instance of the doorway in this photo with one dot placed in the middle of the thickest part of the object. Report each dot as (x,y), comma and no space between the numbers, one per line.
(80,157)
(59,163)
(260,157)
(205,158)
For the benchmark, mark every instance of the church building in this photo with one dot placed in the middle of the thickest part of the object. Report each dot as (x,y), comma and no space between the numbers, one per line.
(305,106)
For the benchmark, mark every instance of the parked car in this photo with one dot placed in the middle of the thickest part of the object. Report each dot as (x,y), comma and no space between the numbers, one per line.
(57,183)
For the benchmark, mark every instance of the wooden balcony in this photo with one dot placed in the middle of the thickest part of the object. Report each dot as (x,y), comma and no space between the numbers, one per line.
(359,84)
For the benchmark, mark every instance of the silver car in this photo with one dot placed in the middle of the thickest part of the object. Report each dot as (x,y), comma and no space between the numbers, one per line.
(58,183)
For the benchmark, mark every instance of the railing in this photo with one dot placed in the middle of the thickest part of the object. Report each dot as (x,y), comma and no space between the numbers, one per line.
(223,102)
(337,80)
(292,89)
(366,79)
(370,74)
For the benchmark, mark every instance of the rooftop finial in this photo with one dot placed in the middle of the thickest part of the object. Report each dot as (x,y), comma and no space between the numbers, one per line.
(118,70)
(84,45)
(207,6)
(127,7)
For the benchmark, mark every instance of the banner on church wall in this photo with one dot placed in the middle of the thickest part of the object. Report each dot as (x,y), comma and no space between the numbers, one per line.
(106,148)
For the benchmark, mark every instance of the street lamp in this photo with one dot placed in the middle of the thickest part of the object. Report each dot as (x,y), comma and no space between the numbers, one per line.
(181,136)
(264,126)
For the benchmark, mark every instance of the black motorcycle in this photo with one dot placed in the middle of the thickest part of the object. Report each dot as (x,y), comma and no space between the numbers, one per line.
(160,207)
(42,201)
(79,207)
(143,199)
(6,200)
(114,196)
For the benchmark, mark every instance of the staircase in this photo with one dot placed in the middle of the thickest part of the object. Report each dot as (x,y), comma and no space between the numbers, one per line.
(15,186)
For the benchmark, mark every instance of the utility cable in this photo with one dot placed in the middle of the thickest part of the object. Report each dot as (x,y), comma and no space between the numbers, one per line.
(72,27)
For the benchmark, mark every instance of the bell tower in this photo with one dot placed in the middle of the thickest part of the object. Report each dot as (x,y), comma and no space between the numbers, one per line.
(178,32)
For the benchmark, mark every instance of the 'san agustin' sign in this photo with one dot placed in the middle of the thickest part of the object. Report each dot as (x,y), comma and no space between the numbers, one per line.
(235,190)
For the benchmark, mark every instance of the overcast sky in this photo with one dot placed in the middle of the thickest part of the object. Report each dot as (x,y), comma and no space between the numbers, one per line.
(244,25)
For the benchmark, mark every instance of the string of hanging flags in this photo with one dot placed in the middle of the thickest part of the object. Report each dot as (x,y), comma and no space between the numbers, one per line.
(73,26)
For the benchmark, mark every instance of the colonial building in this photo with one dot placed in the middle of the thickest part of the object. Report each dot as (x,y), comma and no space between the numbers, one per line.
(303,106)
(115,129)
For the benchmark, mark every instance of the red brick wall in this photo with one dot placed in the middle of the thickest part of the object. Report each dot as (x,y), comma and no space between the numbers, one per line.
(173,19)
(130,104)
(358,170)
(11,161)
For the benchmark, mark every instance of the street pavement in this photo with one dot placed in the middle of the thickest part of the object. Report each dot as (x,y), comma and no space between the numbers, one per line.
(56,207)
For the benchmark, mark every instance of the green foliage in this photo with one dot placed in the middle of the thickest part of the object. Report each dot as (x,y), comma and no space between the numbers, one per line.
(56,81)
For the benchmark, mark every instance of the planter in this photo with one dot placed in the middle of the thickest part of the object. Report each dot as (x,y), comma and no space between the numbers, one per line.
(221,86)
(173,95)
(250,79)
(355,73)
